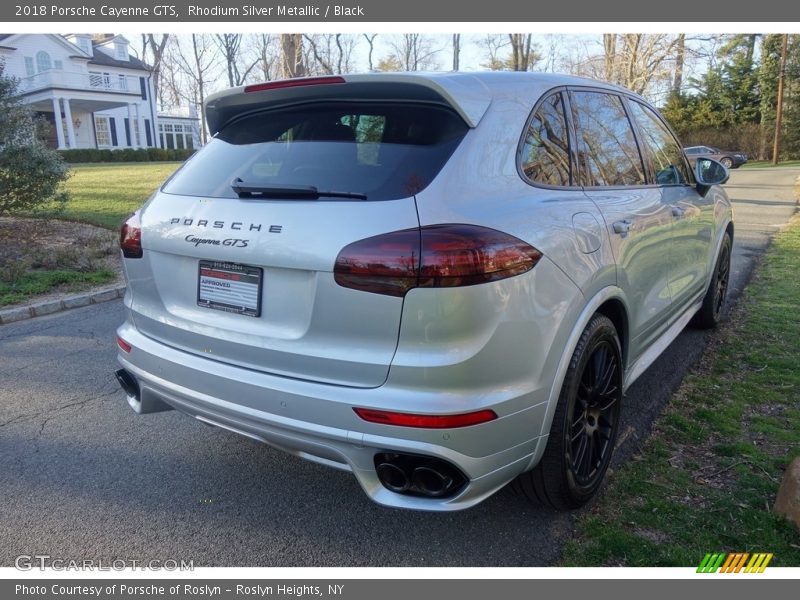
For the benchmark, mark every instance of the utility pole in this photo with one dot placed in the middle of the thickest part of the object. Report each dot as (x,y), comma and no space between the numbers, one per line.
(779,111)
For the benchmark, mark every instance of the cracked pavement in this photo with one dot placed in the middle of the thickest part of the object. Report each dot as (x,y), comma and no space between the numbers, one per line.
(82,476)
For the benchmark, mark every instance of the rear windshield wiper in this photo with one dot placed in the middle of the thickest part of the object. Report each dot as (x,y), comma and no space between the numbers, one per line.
(288,192)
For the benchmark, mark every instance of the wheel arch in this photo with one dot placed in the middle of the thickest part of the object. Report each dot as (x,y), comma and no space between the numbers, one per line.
(609,301)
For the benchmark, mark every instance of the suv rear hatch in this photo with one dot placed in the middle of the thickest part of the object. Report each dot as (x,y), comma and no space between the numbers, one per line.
(240,244)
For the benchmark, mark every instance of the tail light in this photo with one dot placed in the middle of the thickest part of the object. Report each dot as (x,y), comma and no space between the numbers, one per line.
(432,256)
(130,237)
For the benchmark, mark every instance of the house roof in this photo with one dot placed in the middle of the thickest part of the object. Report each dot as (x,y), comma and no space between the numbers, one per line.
(101,58)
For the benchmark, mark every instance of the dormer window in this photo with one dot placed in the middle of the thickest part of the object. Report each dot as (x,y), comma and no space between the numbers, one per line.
(85,45)
(121,51)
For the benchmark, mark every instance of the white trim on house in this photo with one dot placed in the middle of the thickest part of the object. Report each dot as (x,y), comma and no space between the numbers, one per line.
(75,89)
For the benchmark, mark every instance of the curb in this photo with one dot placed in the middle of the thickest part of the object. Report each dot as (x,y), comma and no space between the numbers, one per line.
(21,313)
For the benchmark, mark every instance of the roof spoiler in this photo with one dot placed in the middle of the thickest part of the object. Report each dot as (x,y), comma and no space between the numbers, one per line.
(465,94)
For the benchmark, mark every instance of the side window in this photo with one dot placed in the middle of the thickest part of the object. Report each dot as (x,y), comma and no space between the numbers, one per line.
(662,148)
(607,149)
(545,150)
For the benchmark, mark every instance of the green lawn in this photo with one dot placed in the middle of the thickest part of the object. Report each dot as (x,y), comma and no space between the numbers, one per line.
(763,164)
(32,283)
(105,193)
(706,479)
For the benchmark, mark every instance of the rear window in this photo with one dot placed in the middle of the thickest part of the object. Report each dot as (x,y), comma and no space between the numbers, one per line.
(384,151)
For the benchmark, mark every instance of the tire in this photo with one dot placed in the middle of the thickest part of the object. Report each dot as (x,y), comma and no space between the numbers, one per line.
(727,162)
(585,423)
(709,314)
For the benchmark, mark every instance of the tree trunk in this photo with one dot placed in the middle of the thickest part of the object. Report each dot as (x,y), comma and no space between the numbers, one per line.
(610,52)
(456,50)
(680,57)
(292,54)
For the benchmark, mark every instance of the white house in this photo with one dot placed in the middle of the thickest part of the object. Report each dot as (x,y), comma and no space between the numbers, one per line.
(101,94)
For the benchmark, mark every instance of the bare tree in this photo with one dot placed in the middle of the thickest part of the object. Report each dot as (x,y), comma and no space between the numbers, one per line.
(414,52)
(153,51)
(230,45)
(330,53)
(456,50)
(292,60)
(522,55)
(610,55)
(267,52)
(633,60)
(196,62)
(371,41)
(680,59)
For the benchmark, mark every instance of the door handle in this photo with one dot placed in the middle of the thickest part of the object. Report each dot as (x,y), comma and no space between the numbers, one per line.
(677,211)
(622,227)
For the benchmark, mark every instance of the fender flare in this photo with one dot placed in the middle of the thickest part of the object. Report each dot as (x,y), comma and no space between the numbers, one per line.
(611,292)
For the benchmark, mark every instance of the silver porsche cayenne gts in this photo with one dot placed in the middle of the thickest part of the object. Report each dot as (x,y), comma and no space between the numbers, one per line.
(441,283)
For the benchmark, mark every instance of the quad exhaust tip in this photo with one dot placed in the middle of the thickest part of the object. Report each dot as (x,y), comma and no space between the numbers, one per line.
(416,475)
(127,383)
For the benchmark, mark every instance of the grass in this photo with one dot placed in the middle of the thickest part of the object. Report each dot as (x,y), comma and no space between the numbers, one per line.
(763,164)
(706,479)
(36,282)
(105,193)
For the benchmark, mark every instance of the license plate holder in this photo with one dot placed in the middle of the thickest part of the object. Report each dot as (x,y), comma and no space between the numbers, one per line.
(229,287)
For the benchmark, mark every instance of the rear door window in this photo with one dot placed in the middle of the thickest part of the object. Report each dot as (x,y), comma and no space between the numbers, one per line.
(607,150)
(545,152)
(661,147)
(384,151)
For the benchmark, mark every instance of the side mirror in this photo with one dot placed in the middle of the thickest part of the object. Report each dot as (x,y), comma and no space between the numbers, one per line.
(709,172)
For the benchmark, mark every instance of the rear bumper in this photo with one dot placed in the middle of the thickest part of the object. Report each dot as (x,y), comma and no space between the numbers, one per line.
(317,422)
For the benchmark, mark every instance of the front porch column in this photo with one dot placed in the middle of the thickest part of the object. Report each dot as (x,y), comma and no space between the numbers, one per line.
(134,143)
(70,126)
(59,126)
(142,132)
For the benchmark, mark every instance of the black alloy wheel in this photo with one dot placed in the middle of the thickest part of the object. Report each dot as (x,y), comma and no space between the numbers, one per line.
(585,423)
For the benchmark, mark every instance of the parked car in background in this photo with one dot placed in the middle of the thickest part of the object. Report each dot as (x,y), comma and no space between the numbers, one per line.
(440,283)
(730,158)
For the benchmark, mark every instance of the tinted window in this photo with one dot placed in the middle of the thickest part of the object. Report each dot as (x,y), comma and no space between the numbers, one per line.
(545,150)
(661,147)
(607,149)
(692,151)
(385,151)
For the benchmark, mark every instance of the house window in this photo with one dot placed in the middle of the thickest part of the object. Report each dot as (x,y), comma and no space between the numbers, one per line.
(175,135)
(29,70)
(123,82)
(43,61)
(57,64)
(83,44)
(121,51)
(102,80)
(103,131)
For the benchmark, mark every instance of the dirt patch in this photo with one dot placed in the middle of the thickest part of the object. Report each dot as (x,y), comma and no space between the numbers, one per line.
(30,245)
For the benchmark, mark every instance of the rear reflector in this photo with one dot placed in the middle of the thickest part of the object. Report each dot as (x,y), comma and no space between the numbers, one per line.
(425,421)
(435,256)
(288,83)
(130,237)
(124,346)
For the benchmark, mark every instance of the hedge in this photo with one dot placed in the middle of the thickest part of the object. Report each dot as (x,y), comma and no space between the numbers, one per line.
(93,155)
